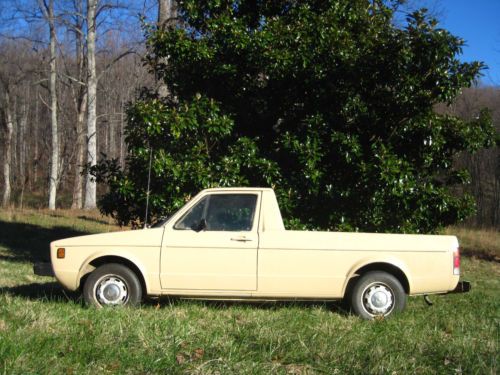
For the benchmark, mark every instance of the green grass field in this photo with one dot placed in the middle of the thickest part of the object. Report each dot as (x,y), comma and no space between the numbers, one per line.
(44,330)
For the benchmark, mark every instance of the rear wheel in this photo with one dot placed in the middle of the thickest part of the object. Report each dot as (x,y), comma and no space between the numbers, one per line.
(376,294)
(112,285)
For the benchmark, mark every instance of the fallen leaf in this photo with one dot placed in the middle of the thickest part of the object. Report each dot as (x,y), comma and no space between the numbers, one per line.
(180,358)
(297,369)
(113,366)
(197,354)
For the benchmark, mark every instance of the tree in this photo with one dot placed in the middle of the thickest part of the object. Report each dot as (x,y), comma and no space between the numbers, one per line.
(333,98)
(90,185)
(167,14)
(200,151)
(48,12)
(95,8)
(8,129)
(79,95)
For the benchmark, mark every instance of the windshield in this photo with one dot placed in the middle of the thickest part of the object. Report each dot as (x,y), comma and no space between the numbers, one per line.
(162,220)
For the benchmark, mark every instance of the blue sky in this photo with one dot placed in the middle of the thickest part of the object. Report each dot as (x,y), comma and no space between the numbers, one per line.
(478,22)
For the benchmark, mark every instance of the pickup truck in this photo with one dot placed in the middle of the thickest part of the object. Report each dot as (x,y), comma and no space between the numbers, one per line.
(231,243)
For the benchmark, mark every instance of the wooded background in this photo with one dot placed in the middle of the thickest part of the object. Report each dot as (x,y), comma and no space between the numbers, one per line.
(64,89)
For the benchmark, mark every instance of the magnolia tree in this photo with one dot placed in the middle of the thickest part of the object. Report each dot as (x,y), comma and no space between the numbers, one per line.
(328,102)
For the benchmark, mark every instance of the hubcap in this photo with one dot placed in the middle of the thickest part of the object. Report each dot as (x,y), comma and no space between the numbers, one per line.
(111,290)
(378,299)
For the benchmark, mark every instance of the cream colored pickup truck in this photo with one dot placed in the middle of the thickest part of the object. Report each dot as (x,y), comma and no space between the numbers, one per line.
(230,243)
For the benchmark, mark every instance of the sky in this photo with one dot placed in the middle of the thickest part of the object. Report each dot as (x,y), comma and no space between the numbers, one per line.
(475,21)
(478,23)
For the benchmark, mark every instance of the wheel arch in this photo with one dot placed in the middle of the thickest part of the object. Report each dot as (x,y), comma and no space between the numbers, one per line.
(100,260)
(385,266)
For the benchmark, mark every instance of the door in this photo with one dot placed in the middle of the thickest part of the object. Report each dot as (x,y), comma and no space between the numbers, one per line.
(213,246)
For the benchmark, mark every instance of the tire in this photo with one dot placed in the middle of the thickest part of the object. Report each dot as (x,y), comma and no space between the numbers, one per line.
(112,285)
(377,294)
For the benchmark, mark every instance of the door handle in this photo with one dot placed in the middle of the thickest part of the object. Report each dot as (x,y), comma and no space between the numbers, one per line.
(241,239)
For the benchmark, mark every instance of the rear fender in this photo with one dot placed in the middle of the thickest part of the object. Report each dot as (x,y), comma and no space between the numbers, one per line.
(387,264)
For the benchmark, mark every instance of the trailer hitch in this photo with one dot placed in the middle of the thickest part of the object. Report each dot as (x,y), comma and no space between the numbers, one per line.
(428,300)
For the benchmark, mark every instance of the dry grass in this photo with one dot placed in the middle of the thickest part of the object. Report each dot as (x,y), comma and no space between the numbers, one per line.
(75,215)
(482,243)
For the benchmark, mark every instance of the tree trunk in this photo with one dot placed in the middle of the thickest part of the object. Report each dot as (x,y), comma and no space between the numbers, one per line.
(122,137)
(36,157)
(54,159)
(90,185)
(80,149)
(14,162)
(7,147)
(167,13)
(81,106)
(111,132)
(23,121)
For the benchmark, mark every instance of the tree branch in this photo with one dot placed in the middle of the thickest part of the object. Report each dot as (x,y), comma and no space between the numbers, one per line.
(115,60)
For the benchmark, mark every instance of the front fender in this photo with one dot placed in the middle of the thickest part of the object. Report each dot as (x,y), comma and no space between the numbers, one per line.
(86,267)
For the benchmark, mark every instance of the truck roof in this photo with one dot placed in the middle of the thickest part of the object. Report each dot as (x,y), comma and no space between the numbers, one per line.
(239,189)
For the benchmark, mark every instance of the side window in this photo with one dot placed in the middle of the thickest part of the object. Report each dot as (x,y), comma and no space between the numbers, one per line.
(192,218)
(231,212)
(221,212)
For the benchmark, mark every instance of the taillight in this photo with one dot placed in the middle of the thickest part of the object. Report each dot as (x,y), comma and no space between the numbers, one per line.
(456,261)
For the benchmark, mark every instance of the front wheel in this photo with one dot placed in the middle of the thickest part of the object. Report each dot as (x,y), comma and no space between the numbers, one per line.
(112,284)
(376,294)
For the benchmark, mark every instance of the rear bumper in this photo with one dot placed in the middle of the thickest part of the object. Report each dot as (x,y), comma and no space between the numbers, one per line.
(462,287)
(43,269)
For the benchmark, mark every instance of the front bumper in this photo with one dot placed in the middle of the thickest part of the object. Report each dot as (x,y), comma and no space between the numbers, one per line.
(462,287)
(43,269)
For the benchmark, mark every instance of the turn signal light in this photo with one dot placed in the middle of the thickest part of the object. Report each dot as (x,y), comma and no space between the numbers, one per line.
(61,253)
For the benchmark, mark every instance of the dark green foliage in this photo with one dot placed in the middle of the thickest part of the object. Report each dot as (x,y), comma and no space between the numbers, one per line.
(326,101)
(193,149)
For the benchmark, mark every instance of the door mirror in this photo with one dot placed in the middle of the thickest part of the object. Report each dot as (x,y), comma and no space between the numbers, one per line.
(202,225)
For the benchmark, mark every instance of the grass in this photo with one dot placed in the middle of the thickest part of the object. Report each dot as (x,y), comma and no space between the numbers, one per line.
(482,243)
(44,330)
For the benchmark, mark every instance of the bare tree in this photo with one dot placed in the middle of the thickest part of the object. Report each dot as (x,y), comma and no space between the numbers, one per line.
(8,127)
(93,10)
(79,93)
(48,11)
(90,185)
(23,145)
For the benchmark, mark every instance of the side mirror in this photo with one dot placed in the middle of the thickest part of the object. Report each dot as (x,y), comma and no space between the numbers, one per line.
(201,226)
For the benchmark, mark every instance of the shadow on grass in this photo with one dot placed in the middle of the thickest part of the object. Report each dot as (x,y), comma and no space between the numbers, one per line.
(50,292)
(53,292)
(338,307)
(95,220)
(481,255)
(29,242)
